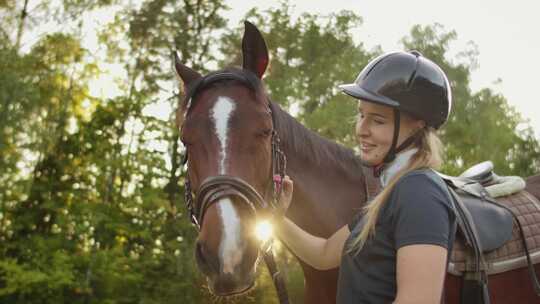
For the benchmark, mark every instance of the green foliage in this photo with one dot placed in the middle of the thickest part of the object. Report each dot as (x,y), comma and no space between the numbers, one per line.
(482,126)
(86,218)
(91,196)
(37,283)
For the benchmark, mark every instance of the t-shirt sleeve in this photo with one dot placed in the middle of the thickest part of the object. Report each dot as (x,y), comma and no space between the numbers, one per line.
(423,212)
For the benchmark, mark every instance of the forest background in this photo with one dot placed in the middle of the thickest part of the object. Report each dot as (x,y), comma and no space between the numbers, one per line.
(91,192)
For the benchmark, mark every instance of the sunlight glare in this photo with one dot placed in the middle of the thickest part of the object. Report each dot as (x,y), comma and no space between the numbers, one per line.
(263,230)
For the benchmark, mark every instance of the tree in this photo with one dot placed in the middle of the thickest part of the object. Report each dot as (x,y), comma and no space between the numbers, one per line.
(482,126)
(91,195)
(95,218)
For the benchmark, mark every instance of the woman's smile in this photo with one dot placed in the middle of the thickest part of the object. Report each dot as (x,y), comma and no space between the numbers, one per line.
(366,147)
(375,130)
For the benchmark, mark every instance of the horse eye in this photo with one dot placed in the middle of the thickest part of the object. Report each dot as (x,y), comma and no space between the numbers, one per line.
(265,133)
(185,142)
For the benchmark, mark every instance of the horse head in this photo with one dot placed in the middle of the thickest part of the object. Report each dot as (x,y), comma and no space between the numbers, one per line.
(226,126)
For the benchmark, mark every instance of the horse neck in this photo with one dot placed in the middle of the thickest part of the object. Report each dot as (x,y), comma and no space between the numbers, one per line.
(329,184)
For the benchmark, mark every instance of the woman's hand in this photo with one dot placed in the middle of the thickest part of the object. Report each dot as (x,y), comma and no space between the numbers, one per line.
(320,253)
(286,195)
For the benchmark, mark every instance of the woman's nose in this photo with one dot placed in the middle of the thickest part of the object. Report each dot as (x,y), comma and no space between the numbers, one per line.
(362,128)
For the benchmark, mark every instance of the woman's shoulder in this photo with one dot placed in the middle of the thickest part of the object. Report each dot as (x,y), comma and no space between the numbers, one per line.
(420,185)
(422,177)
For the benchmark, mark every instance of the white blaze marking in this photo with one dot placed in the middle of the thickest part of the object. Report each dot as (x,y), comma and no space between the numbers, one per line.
(230,250)
(221,113)
(230,247)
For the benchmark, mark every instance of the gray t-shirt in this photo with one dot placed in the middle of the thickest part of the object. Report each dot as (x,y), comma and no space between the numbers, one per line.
(418,211)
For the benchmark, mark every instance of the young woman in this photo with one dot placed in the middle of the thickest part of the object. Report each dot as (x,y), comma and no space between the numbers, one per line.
(396,249)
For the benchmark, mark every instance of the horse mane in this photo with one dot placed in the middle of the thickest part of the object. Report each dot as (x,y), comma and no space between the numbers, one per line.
(310,145)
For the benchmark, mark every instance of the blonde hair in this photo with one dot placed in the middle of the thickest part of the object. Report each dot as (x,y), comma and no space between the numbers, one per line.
(429,155)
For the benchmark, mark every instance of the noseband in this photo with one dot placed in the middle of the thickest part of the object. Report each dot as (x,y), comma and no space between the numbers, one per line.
(214,188)
(217,187)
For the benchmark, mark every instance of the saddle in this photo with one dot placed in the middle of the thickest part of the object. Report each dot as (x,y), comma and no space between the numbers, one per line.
(511,253)
(495,185)
(496,235)
(482,173)
(497,219)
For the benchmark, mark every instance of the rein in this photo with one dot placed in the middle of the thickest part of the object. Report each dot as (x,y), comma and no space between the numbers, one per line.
(215,187)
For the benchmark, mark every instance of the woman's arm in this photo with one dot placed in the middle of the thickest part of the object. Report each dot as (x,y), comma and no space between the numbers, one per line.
(420,274)
(320,253)
(424,223)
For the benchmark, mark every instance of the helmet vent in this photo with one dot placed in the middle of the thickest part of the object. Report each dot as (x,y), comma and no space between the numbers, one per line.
(413,75)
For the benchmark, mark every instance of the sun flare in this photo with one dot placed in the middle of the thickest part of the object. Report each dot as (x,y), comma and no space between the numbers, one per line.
(263,230)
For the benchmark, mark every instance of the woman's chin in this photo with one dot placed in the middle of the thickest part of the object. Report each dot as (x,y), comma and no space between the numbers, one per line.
(369,161)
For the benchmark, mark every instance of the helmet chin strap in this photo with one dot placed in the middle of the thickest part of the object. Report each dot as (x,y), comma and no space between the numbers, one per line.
(391,155)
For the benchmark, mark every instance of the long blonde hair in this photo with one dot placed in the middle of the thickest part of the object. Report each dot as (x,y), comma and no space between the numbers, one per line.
(429,155)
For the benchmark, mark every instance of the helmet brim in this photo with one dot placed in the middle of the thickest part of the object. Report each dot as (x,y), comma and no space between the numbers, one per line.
(353,90)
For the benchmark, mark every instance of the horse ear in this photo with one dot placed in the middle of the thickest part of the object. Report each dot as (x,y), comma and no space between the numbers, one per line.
(254,50)
(188,76)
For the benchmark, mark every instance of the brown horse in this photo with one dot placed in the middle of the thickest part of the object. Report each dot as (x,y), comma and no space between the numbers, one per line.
(227,129)
(227,124)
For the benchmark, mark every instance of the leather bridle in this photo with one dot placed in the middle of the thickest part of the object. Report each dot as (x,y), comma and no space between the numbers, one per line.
(213,188)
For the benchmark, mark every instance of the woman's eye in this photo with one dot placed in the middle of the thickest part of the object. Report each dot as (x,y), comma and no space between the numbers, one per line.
(379,122)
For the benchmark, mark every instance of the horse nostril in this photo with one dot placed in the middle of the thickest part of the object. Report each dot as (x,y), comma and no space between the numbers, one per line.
(199,254)
(206,262)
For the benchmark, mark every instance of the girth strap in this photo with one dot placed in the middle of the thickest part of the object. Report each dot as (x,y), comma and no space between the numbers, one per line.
(475,285)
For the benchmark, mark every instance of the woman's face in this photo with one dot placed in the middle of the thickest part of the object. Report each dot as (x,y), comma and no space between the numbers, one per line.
(375,130)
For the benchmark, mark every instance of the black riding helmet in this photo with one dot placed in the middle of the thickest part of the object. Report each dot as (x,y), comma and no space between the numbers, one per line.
(408,82)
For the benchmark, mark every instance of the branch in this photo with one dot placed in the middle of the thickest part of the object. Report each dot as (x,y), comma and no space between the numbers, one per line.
(24,14)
